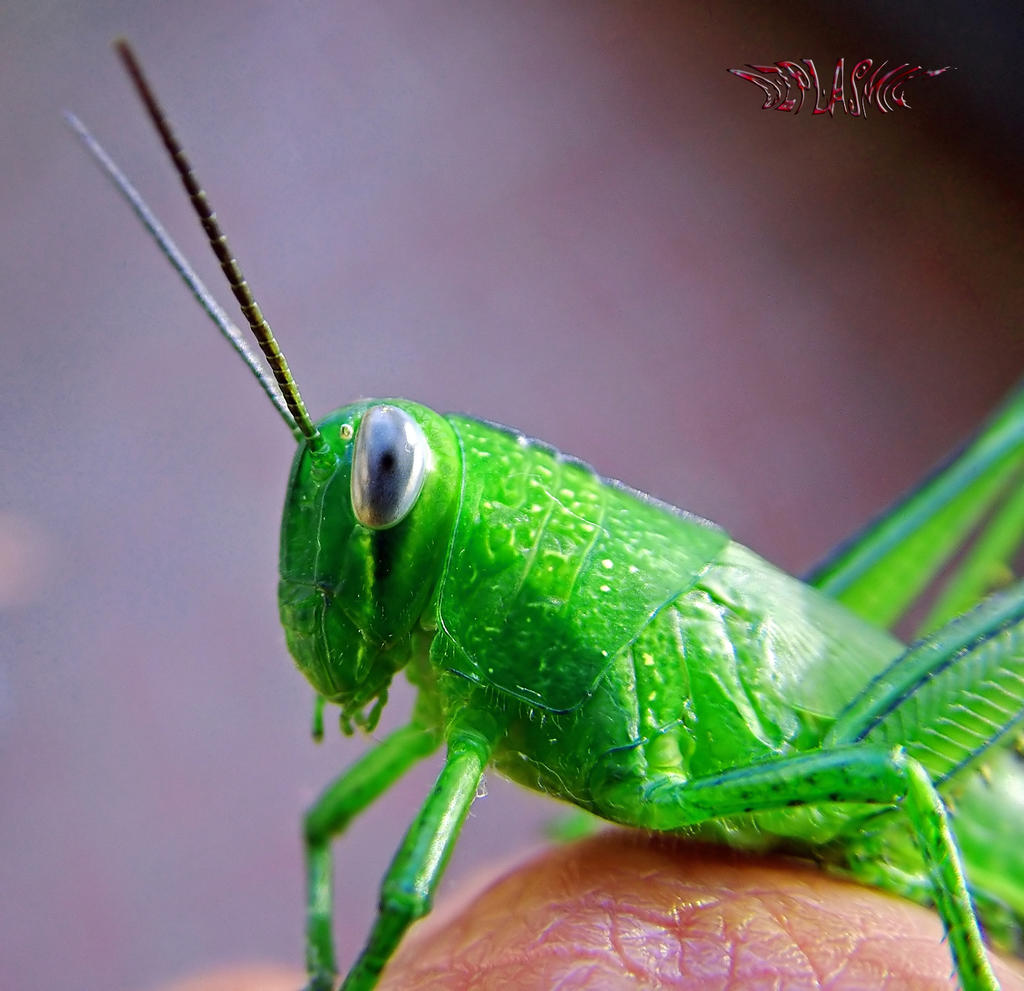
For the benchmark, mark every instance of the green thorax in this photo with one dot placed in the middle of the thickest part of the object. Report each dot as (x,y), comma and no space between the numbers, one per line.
(552,570)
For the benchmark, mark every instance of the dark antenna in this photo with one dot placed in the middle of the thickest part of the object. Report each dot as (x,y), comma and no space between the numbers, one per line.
(218,242)
(174,255)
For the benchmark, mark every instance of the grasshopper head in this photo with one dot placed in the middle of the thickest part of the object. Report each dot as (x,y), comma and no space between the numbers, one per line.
(373,493)
(363,541)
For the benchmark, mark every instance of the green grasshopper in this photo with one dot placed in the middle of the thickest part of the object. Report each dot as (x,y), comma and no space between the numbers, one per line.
(602,647)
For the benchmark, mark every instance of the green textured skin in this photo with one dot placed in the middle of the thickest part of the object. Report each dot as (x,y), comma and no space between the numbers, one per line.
(550,562)
(497,593)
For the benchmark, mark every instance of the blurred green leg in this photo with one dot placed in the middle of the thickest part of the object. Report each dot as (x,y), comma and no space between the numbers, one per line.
(345,798)
(880,572)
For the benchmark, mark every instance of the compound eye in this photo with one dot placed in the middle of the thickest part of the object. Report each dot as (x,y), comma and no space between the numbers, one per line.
(388,466)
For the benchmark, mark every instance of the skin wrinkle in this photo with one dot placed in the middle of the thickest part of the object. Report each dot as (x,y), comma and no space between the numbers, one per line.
(578,978)
(816,949)
(621,930)
(777,912)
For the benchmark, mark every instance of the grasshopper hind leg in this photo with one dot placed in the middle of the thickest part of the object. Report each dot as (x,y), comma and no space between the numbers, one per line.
(828,777)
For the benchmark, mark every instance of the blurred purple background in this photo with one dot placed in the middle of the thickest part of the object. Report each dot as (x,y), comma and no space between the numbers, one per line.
(566,217)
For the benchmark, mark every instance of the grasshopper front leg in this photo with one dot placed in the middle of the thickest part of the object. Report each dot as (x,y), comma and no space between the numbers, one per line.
(342,800)
(408,887)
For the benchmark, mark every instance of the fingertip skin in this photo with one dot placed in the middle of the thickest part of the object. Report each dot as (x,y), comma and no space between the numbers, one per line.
(625,910)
